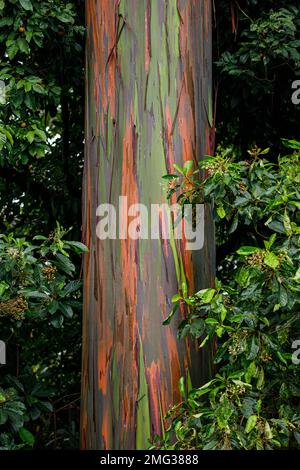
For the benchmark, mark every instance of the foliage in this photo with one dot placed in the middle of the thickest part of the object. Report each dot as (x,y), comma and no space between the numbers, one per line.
(36,280)
(41,124)
(270,37)
(41,155)
(252,314)
(256,62)
(39,295)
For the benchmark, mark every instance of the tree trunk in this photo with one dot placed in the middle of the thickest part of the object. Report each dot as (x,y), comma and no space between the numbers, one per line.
(148,92)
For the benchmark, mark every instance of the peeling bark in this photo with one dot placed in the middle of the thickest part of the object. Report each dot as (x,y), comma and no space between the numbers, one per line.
(148,91)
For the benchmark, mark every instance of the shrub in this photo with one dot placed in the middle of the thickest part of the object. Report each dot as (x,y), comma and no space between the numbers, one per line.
(252,401)
(40,298)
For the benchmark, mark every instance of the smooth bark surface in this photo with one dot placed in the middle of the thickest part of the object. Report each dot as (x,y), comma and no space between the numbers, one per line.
(149,105)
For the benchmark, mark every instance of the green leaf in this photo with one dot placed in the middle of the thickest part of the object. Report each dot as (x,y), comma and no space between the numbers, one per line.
(167,320)
(271,260)
(178,168)
(297,275)
(188,165)
(184,289)
(204,341)
(283,296)
(53,306)
(260,379)
(26,436)
(34,294)
(211,321)
(72,286)
(65,264)
(251,423)
(8,135)
(26,4)
(39,88)
(254,348)
(3,287)
(66,310)
(182,387)
(287,223)
(234,224)
(12,51)
(297,437)
(175,298)
(220,331)
(242,276)
(30,136)
(268,431)
(268,243)
(221,212)
(170,177)
(292,144)
(42,135)
(280,357)
(248,250)
(251,372)
(46,406)
(206,295)
(23,45)
(57,321)
(223,313)
(79,247)
(276,226)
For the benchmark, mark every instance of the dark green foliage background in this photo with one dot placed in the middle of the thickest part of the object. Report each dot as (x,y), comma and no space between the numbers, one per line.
(41,123)
(257,58)
(252,313)
(41,160)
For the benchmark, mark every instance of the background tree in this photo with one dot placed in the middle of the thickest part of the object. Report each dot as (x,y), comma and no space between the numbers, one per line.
(257,58)
(41,156)
(41,118)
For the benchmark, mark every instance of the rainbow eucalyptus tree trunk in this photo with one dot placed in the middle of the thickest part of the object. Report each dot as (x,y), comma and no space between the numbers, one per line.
(148,106)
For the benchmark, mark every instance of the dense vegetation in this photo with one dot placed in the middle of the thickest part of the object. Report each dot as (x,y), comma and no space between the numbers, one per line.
(253,400)
(41,117)
(41,154)
(257,58)
(252,314)
(40,318)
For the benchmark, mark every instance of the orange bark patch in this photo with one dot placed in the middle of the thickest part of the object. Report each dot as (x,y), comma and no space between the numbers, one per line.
(106,428)
(174,365)
(102,36)
(129,247)
(153,379)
